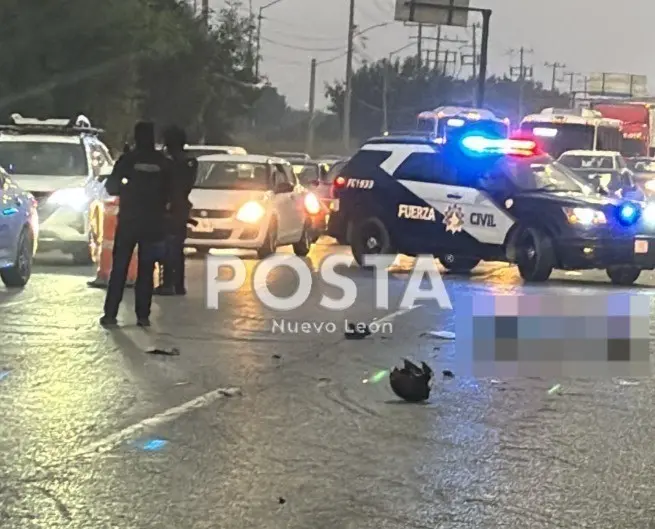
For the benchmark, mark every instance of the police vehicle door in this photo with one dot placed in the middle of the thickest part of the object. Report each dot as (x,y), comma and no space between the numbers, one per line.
(11,207)
(284,204)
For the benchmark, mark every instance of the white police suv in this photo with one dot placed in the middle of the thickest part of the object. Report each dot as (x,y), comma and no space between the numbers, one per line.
(19,230)
(61,162)
(477,197)
(250,202)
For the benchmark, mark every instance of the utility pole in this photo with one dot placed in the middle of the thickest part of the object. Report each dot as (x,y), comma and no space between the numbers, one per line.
(205,12)
(446,62)
(385,96)
(437,49)
(347,100)
(555,67)
(572,76)
(523,72)
(312,102)
(474,43)
(419,45)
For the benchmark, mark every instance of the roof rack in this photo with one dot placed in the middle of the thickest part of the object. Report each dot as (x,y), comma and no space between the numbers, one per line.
(70,127)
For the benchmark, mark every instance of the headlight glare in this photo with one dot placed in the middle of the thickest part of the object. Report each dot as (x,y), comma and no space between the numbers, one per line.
(312,204)
(585,216)
(650,186)
(251,212)
(649,215)
(75,198)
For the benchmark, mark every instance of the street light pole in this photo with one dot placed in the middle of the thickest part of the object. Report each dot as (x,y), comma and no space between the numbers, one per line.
(259,33)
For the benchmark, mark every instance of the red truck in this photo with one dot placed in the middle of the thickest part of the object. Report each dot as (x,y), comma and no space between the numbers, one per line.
(638,125)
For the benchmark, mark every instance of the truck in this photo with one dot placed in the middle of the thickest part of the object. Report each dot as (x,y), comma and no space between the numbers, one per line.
(638,129)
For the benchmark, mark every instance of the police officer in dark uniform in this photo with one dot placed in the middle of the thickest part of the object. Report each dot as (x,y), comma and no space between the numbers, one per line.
(142,180)
(184,170)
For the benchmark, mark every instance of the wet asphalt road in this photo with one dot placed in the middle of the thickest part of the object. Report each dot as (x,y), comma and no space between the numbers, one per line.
(96,434)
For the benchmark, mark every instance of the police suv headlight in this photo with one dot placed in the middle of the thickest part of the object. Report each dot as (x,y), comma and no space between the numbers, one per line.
(649,215)
(74,198)
(585,216)
(251,212)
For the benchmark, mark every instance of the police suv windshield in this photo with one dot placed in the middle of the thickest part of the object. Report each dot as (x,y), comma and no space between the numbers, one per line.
(232,175)
(40,158)
(545,175)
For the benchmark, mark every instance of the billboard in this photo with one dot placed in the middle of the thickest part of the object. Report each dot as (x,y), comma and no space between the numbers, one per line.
(433,12)
(617,84)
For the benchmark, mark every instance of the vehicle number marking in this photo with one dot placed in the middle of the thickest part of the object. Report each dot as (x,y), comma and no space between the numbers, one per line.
(406,211)
(483,219)
(360,184)
(641,246)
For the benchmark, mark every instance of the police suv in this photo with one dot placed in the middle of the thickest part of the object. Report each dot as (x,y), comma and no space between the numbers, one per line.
(486,198)
(62,163)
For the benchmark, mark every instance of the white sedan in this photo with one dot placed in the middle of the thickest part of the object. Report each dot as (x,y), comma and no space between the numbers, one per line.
(250,202)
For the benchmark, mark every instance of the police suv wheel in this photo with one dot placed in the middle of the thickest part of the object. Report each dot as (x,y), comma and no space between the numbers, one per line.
(457,264)
(302,247)
(369,237)
(623,275)
(535,255)
(18,275)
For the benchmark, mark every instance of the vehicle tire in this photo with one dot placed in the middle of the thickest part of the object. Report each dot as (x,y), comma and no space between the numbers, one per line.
(535,255)
(270,243)
(302,247)
(87,255)
(623,275)
(95,239)
(369,237)
(458,264)
(18,275)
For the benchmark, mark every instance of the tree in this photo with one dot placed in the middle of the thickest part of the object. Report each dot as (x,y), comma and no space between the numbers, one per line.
(121,60)
(412,88)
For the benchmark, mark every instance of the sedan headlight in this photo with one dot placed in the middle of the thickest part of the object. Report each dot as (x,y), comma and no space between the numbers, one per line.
(251,212)
(75,198)
(585,216)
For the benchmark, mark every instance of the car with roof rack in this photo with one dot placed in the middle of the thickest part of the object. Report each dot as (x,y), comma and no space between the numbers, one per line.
(62,163)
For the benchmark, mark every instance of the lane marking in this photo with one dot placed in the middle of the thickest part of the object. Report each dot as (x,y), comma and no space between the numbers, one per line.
(393,315)
(112,441)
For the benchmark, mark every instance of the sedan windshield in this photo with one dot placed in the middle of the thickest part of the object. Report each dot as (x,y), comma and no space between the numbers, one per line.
(307,173)
(573,161)
(39,158)
(232,175)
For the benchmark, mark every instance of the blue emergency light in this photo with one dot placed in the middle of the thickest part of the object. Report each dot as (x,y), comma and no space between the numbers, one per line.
(628,214)
(481,146)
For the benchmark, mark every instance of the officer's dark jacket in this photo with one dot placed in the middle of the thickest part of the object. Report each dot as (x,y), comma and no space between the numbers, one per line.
(142,179)
(185,172)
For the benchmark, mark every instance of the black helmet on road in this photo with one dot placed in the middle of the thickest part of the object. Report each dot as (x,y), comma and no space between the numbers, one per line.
(411,383)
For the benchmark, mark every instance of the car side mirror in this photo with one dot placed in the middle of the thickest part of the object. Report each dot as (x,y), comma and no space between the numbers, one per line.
(284,187)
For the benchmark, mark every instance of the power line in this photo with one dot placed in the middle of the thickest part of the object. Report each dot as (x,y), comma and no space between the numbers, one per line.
(523,73)
(301,48)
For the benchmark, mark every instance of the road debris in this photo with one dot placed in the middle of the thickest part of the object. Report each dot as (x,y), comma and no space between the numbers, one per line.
(357,331)
(411,383)
(164,352)
(447,373)
(555,390)
(442,335)
(230,392)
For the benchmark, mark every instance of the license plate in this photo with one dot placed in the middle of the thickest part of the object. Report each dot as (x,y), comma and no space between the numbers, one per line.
(641,246)
(204,226)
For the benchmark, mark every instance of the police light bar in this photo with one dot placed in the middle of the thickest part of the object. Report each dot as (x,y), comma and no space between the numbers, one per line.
(78,125)
(482,145)
(19,120)
(544,132)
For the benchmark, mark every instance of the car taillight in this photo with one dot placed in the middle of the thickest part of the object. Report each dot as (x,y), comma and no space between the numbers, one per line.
(338,183)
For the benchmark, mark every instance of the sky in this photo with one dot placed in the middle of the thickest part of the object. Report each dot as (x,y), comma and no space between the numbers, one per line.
(586,35)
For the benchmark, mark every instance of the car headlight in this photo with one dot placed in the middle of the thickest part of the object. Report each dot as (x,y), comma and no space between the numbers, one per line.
(585,216)
(251,212)
(312,204)
(75,198)
(650,186)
